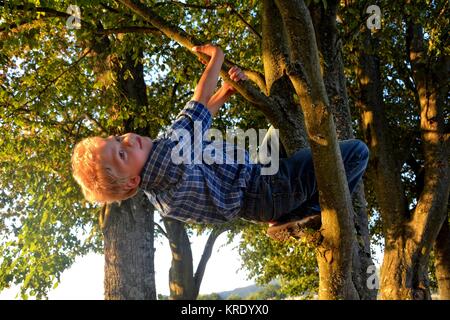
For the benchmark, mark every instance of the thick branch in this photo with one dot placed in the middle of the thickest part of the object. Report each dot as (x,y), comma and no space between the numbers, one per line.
(431,80)
(383,166)
(257,78)
(274,47)
(177,34)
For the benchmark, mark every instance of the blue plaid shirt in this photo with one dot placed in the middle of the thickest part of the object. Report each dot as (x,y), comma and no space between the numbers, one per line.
(194,192)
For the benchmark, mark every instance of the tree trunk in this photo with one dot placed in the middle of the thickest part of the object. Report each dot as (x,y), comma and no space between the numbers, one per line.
(421,231)
(324,21)
(128,233)
(442,261)
(183,283)
(181,280)
(335,252)
(129,227)
(289,118)
(383,168)
(403,275)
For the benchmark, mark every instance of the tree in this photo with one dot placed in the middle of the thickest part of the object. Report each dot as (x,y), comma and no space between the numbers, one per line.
(442,260)
(412,215)
(184,283)
(104,63)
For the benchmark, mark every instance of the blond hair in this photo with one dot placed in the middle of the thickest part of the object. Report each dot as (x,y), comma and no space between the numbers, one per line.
(98,181)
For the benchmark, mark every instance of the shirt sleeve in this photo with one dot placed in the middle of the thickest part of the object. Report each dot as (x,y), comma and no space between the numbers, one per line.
(193,114)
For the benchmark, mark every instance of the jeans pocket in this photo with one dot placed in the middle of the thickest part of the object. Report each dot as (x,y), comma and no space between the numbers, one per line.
(257,207)
(285,199)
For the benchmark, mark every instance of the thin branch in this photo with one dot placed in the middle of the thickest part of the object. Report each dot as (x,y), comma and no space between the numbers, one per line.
(111,9)
(207,251)
(161,229)
(50,11)
(91,118)
(227,6)
(253,30)
(129,29)
(72,65)
(190,5)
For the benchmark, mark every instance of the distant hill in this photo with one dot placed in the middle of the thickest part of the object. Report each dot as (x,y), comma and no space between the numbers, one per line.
(244,291)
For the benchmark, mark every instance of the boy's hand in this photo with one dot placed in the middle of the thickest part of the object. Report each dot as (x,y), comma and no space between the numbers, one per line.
(209,50)
(226,91)
(236,74)
(208,81)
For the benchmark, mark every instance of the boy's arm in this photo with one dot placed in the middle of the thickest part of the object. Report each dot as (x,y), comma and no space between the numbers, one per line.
(226,91)
(208,81)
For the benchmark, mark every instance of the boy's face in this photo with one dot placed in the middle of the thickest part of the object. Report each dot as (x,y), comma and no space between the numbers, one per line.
(126,154)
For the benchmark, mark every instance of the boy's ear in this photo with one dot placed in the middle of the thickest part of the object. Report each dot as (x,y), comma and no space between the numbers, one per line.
(133,183)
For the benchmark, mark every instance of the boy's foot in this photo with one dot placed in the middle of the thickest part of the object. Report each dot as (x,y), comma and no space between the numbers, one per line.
(282,231)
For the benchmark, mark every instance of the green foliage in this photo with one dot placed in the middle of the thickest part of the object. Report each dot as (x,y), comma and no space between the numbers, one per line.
(162,297)
(211,296)
(269,292)
(234,296)
(293,264)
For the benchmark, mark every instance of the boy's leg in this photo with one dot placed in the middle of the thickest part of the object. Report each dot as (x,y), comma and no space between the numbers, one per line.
(292,191)
(299,168)
(258,201)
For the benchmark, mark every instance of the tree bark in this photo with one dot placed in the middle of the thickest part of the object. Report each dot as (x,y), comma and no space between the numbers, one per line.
(442,260)
(431,78)
(128,227)
(183,283)
(383,168)
(181,280)
(129,251)
(332,66)
(289,118)
(335,252)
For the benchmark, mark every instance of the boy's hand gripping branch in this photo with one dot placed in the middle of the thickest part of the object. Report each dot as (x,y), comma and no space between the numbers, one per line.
(208,82)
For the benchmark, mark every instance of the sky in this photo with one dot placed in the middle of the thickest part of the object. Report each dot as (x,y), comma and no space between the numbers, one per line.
(84,280)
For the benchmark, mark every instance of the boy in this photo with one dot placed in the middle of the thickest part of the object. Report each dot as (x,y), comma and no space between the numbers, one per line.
(112,169)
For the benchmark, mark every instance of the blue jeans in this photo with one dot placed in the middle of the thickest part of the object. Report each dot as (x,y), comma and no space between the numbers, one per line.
(293,189)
